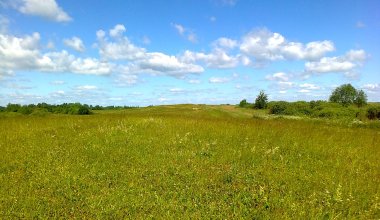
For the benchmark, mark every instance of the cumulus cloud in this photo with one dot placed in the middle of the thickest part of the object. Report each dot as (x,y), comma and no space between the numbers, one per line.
(329,64)
(48,9)
(75,43)
(356,55)
(338,64)
(23,53)
(119,49)
(224,42)
(19,52)
(264,45)
(218,58)
(117,31)
(65,62)
(162,63)
(280,76)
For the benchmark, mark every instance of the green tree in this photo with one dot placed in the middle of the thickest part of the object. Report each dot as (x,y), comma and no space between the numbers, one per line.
(261,100)
(243,103)
(344,94)
(361,98)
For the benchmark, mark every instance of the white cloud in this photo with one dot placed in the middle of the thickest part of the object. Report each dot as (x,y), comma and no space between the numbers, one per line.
(194,81)
(179,28)
(356,55)
(4,22)
(280,76)
(126,79)
(19,52)
(48,9)
(185,32)
(304,91)
(75,43)
(309,86)
(264,45)
(86,87)
(218,58)
(372,87)
(57,82)
(90,66)
(285,85)
(117,31)
(65,62)
(225,43)
(162,63)
(23,53)
(121,48)
(176,90)
(345,64)
(329,64)
(219,80)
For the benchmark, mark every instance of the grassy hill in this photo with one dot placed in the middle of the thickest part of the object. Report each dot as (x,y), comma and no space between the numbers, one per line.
(187,161)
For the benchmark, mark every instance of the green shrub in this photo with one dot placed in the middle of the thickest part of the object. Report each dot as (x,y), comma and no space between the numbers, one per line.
(84,110)
(278,108)
(243,103)
(373,113)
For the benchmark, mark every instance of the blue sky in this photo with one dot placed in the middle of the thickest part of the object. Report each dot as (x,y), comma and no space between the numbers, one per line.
(168,52)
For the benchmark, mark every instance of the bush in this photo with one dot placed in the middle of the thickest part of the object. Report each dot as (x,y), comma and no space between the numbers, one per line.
(373,113)
(84,110)
(243,103)
(278,108)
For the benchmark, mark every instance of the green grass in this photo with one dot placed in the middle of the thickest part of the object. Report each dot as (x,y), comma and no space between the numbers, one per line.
(186,161)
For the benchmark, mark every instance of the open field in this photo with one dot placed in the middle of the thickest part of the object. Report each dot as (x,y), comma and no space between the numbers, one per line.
(187,161)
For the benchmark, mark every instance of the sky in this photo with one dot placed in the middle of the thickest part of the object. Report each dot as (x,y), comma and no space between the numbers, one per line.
(141,53)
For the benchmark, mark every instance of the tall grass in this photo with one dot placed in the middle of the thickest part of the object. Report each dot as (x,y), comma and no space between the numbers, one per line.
(186,162)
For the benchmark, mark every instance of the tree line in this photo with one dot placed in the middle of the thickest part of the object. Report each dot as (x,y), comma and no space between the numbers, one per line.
(344,102)
(65,108)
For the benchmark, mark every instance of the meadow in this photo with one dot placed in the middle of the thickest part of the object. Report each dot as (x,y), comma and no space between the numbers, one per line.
(187,162)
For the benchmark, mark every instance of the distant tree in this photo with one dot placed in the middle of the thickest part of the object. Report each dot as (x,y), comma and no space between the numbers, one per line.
(361,98)
(344,94)
(261,100)
(243,103)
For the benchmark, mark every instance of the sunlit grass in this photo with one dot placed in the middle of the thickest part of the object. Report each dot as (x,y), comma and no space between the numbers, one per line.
(186,161)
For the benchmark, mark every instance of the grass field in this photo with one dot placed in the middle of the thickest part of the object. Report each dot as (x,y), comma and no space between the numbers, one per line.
(187,161)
